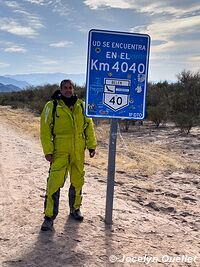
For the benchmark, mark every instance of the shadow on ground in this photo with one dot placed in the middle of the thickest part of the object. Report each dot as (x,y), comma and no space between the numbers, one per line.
(53,249)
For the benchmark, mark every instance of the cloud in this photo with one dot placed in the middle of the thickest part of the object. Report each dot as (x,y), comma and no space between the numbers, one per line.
(57,6)
(12,4)
(37,2)
(195,58)
(5,43)
(15,49)
(83,28)
(162,30)
(4,65)
(95,4)
(61,44)
(30,19)
(176,51)
(20,22)
(61,7)
(47,61)
(166,42)
(146,6)
(166,31)
(12,26)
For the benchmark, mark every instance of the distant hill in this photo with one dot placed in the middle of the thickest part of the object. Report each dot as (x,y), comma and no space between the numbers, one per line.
(5,80)
(48,78)
(9,88)
(23,81)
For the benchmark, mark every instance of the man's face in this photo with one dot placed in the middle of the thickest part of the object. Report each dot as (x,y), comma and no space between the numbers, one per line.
(67,89)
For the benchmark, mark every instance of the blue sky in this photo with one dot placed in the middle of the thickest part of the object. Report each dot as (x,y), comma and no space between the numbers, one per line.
(51,36)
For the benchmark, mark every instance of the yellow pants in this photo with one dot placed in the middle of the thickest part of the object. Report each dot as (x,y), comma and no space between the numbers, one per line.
(62,165)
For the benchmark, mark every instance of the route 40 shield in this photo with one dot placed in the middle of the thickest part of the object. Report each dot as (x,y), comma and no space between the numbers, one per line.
(117,71)
(116,93)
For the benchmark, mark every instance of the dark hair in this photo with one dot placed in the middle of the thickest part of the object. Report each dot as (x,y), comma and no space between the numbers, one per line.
(66,81)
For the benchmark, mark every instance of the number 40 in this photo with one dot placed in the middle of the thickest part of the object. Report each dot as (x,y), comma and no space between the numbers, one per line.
(116,99)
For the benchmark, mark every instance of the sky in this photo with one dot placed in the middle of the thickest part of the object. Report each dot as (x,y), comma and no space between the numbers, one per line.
(52,36)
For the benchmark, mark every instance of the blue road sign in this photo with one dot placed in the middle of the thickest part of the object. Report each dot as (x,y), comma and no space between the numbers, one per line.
(117,71)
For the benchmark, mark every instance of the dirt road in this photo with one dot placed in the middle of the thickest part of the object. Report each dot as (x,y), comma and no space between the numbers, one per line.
(156,220)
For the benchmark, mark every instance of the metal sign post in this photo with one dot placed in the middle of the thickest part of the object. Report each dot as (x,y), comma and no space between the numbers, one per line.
(116,85)
(111,171)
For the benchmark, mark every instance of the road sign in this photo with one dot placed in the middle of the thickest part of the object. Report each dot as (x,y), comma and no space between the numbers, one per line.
(117,71)
(116,93)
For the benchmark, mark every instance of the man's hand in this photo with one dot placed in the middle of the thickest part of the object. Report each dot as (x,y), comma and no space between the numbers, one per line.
(92,152)
(49,157)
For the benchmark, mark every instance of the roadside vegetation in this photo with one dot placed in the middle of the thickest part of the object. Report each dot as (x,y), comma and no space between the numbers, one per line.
(177,102)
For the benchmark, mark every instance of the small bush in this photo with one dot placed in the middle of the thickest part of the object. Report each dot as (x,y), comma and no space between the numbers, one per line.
(157,114)
(183,121)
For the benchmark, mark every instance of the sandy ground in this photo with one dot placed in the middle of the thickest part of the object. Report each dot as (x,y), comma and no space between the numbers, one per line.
(156,218)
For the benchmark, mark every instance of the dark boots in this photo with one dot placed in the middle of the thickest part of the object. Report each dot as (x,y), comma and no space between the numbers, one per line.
(76,214)
(47,224)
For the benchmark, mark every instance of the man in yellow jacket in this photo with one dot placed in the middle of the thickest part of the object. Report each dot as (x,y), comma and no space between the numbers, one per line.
(65,133)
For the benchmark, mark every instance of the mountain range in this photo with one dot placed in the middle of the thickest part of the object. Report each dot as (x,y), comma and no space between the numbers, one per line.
(9,88)
(5,80)
(23,81)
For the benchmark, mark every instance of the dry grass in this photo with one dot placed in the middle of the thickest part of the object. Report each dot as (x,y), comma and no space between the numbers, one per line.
(133,155)
(140,155)
(151,158)
(21,119)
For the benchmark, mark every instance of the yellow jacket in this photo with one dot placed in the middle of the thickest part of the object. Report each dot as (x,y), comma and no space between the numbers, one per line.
(71,129)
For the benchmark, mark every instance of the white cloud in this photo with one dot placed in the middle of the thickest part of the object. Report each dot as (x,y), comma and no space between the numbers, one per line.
(175,41)
(83,29)
(15,49)
(12,4)
(37,2)
(166,32)
(158,7)
(61,44)
(174,55)
(20,22)
(95,4)
(47,61)
(30,19)
(15,28)
(58,6)
(146,6)
(5,43)
(195,58)
(163,30)
(4,65)
(61,7)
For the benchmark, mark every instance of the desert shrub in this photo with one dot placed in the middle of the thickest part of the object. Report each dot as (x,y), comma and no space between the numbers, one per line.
(158,102)
(157,114)
(126,124)
(183,121)
(16,105)
(185,101)
(80,91)
(34,98)
(164,101)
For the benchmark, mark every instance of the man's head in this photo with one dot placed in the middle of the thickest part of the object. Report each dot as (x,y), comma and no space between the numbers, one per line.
(67,88)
